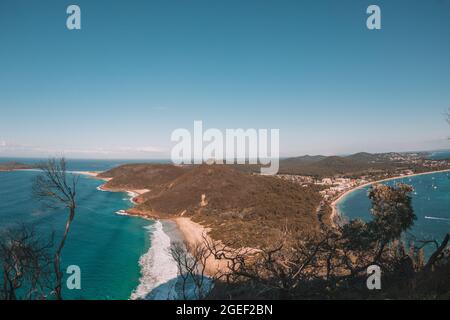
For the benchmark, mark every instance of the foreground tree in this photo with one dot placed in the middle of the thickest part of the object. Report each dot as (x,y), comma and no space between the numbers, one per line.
(26,264)
(367,243)
(57,189)
(191,262)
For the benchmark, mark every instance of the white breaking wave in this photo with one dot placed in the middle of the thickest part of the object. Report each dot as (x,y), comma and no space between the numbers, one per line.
(158,268)
(437,218)
(131,196)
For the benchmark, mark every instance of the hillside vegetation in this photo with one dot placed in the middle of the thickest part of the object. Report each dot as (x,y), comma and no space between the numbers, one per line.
(237,206)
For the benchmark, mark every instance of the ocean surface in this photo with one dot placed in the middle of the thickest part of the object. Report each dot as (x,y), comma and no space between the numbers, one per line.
(120,257)
(440,155)
(430,199)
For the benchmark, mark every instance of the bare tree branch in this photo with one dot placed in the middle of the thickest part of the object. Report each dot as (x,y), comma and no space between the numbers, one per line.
(57,188)
(26,264)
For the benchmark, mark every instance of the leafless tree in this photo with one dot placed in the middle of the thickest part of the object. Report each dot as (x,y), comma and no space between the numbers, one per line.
(192,261)
(276,271)
(26,264)
(57,188)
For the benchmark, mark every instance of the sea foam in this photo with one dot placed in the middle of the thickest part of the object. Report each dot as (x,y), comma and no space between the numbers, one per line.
(437,218)
(159,270)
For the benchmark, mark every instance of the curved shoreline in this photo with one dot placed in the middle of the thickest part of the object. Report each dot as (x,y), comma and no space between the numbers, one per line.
(334,204)
(158,269)
(192,232)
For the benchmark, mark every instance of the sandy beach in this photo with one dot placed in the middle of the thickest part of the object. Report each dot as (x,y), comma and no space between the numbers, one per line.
(335,211)
(87,173)
(193,234)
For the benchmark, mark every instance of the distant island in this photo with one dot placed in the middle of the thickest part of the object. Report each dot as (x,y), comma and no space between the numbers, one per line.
(10,166)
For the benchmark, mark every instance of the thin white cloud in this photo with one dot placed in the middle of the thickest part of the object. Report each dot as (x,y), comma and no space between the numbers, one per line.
(16,150)
(142,149)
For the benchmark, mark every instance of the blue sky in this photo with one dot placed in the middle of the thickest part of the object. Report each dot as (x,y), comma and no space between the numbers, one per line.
(140,69)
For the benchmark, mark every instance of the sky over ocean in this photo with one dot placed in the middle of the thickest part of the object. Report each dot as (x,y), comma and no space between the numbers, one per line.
(138,70)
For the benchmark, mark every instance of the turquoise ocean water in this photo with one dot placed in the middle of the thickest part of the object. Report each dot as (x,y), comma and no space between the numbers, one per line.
(431,203)
(120,257)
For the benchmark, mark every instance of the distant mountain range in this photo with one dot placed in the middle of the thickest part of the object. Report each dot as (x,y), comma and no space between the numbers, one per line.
(354,164)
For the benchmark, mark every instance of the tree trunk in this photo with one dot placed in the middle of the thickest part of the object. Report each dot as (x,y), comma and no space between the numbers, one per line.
(57,261)
(436,254)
